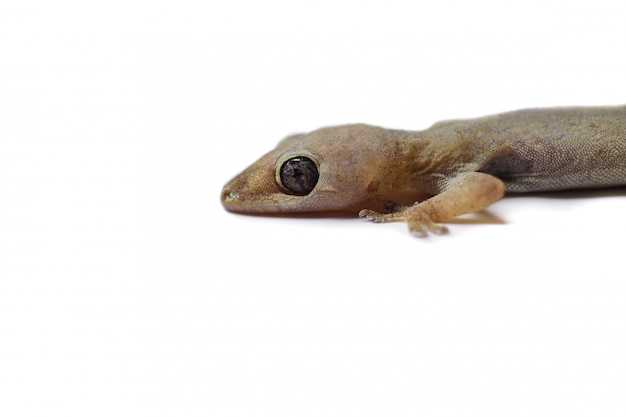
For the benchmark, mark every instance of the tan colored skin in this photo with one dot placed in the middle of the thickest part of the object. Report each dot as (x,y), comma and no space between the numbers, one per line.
(464,165)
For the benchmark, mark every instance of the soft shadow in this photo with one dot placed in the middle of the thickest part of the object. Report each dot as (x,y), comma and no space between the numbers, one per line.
(481,217)
(311,215)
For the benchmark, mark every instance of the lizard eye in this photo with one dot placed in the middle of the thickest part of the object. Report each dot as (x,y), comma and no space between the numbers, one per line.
(299,175)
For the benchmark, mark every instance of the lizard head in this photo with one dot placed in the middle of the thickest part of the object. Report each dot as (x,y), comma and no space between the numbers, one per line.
(330,169)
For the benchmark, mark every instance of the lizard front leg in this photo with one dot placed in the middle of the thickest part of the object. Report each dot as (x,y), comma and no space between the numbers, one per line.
(464,193)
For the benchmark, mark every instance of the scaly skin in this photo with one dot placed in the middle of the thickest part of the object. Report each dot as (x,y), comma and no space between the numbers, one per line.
(464,166)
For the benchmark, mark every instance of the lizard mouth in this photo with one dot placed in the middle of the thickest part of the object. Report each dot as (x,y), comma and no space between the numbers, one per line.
(240,202)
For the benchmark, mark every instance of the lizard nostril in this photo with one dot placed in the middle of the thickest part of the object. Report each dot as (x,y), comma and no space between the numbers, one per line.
(227,195)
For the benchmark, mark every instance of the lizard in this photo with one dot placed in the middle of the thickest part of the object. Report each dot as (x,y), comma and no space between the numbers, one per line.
(428,177)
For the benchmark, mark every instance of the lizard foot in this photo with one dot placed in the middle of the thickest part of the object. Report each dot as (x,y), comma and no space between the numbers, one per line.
(419,223)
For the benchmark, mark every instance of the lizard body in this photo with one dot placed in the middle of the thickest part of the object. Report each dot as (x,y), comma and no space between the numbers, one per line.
(462,165)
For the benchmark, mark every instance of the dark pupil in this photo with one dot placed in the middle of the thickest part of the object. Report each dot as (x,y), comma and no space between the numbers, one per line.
(299,175)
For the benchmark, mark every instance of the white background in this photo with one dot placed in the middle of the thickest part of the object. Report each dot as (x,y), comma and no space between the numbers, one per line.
(126,289)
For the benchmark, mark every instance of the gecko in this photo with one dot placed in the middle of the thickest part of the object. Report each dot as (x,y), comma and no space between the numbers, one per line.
(431,176)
